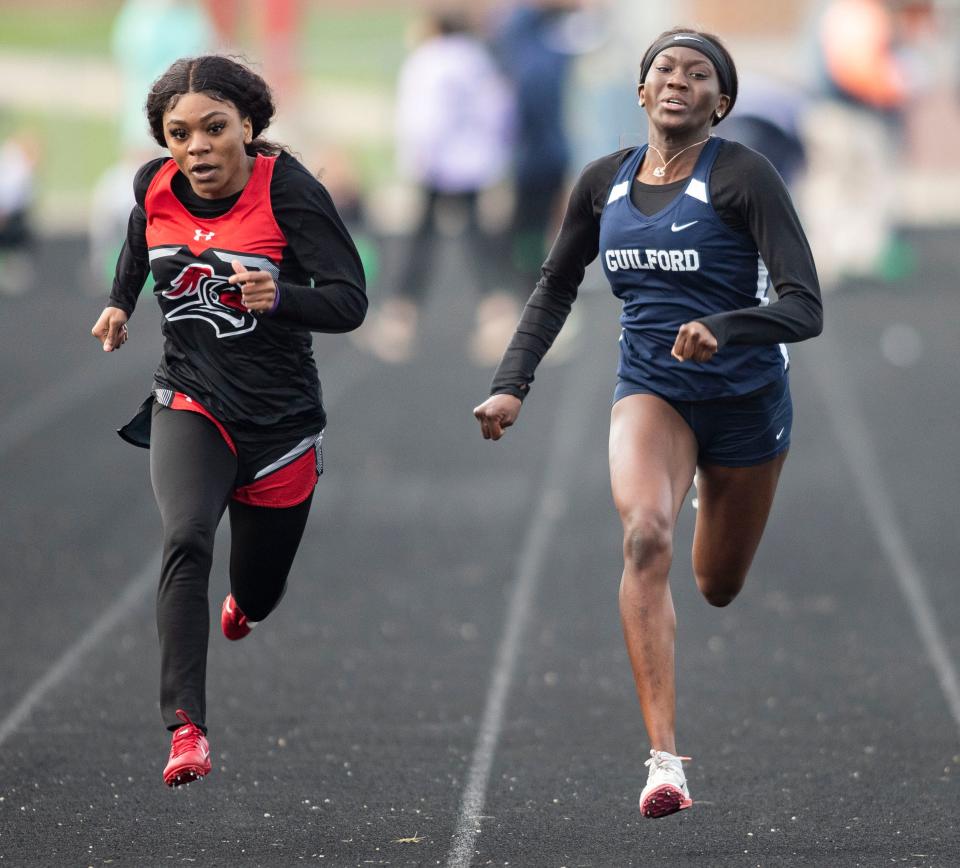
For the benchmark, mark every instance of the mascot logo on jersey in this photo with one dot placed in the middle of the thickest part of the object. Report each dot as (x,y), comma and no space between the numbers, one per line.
(205,295)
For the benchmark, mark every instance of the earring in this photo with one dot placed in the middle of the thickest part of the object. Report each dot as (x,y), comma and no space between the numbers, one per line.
(719,115)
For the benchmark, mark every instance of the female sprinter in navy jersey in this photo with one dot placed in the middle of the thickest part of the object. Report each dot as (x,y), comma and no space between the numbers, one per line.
(249,256)
(691,230)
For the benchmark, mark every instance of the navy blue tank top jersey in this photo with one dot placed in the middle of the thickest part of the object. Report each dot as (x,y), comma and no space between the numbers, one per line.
(678,265)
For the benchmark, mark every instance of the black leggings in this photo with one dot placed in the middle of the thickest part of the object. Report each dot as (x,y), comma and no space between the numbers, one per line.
(194,473)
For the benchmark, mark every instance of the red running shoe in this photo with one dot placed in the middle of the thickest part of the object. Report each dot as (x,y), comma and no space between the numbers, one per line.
(189,754)
(232,620)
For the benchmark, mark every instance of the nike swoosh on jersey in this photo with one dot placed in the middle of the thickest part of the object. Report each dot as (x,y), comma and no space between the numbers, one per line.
(682,226)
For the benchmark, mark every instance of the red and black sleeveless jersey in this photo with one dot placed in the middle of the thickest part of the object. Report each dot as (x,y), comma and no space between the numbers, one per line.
(255,373)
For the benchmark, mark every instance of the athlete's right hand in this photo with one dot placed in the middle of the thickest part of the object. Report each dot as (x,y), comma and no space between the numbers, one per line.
(496,414)
(111,329)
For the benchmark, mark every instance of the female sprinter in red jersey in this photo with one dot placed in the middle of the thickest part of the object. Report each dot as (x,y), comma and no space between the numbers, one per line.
(692,231)
(248,256)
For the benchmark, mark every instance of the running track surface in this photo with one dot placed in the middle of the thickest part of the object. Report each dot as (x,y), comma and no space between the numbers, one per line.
(445,681)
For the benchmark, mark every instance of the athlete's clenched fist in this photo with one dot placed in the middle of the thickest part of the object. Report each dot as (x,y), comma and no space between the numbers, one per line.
(496,414)
(257,289)
(111,329)
(694,342)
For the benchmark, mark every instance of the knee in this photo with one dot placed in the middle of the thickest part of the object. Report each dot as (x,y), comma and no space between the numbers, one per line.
(647,540)
(719,591)
(719,598)
(257,610)
(188,538)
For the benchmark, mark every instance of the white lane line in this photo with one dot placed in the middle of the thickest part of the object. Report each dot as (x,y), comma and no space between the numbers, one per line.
(569,430)
(132,596)
(857,444)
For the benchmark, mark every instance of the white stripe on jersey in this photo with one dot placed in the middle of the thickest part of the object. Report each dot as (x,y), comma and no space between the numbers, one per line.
(698,190)
(159,252)
(618,191)
(763,285)
(296,452)
(257,262)
(763,282)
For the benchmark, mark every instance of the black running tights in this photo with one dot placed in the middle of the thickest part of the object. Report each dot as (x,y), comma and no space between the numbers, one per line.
(194,473)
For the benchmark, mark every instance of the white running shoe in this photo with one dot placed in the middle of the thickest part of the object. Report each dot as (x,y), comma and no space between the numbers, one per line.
(666,790)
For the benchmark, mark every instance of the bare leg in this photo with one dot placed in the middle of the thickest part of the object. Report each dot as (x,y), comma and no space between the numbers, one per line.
(652,460)
(734,505)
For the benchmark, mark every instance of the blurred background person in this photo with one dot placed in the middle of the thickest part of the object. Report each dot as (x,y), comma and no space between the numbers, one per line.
(337,170)
(535,47)
(275,27)
(453,122)
(769,120)
(869,70)
(274,33)
(19,155)
(147,36)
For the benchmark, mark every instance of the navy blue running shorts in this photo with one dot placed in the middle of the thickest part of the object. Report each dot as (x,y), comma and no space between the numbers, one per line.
(734,432)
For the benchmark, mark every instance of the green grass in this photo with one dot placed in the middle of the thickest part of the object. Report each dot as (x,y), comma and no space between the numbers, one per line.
(355,46)
(351,46)
(73,28)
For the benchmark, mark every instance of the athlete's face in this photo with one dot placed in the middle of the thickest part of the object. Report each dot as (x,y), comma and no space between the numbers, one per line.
(206,137)
(682,91)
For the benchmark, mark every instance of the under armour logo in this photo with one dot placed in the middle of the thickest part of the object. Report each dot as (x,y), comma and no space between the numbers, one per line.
(200,234)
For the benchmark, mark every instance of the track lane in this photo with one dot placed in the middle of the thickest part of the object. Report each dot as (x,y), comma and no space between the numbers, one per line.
(351,716)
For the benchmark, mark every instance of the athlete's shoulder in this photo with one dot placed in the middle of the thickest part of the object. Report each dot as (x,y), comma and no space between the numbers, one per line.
(606,167)
(740,158)
(287,164)
(294,184)
(597,176)
(289,171)
(744,178)
(145,175)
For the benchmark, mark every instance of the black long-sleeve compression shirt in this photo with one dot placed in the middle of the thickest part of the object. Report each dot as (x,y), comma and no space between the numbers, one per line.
(748,196)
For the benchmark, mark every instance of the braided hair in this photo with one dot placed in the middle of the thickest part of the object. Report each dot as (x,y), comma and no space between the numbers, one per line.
(223,79)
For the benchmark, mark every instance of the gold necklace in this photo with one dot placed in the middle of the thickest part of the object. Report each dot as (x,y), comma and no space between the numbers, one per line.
(660,171)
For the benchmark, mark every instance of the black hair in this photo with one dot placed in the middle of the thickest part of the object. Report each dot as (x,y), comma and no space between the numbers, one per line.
(223,79)
(710,46)
(449,23)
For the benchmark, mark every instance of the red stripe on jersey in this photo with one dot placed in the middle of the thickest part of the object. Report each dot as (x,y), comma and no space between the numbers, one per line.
(249,227)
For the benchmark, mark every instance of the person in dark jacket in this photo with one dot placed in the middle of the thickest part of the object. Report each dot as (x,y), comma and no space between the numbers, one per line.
(692,230)
(248,256)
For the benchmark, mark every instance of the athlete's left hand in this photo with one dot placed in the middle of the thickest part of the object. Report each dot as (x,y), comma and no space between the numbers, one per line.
(257,288)
(695,342)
